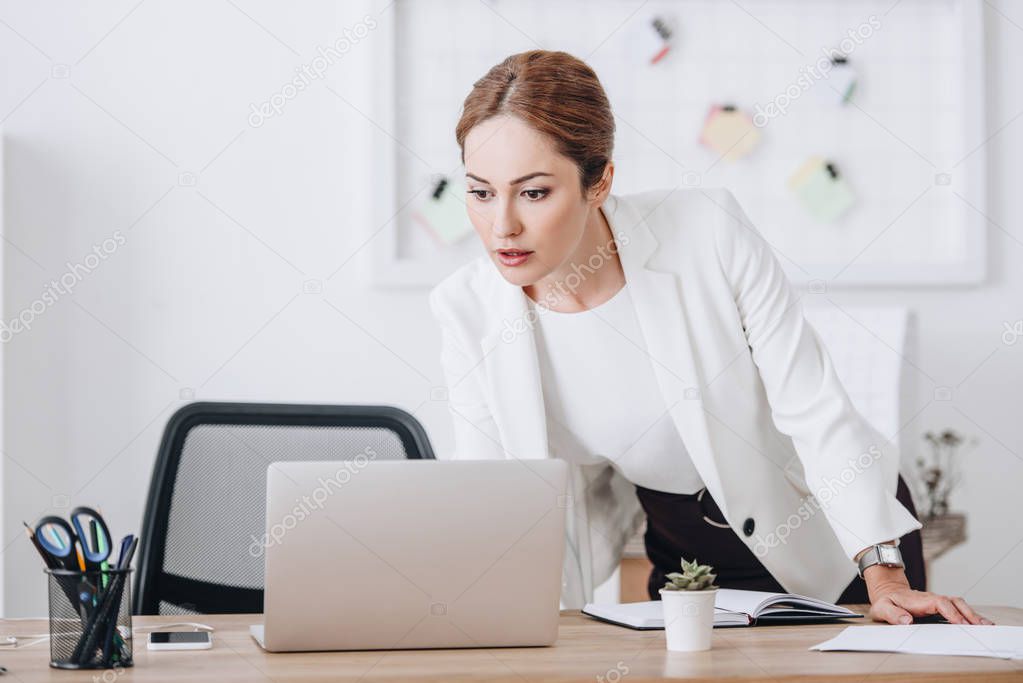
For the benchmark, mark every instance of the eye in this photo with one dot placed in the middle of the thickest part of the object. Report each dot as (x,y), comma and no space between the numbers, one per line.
(535,195)
(481,195)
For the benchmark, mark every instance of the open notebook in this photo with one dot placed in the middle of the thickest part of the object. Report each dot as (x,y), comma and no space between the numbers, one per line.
(732,607)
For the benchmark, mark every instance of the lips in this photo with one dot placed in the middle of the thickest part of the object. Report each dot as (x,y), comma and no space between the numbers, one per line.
(513,257)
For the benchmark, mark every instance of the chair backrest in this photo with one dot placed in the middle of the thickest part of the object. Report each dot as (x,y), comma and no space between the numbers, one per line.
(200,550)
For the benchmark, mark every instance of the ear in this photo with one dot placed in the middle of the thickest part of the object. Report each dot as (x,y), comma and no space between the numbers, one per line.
(599,192)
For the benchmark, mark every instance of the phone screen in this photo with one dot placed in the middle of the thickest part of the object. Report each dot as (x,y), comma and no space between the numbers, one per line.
(179,637)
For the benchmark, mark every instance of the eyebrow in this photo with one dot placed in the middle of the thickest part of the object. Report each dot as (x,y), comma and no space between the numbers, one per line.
(523,179)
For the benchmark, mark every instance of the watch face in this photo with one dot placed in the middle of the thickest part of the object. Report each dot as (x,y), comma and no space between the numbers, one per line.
(889,554)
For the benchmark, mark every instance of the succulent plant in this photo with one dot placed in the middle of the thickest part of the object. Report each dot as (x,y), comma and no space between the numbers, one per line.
(693,577)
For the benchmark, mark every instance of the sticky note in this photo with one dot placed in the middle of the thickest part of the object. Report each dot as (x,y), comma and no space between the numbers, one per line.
(650,39)
(662,41)
(841,80)
(822,190)
(443,212)
(729,132)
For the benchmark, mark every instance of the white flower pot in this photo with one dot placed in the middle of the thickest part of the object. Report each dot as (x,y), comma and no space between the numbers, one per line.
(688,619)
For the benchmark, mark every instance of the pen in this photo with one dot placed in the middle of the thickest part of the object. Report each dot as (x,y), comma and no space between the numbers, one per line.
(105,616)
(103,566)
(47,559)
(81,558)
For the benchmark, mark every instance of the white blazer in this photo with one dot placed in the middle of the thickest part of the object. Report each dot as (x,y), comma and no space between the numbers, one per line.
(747,381)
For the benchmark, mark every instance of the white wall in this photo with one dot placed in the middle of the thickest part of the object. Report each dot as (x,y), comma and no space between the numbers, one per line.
(205,299)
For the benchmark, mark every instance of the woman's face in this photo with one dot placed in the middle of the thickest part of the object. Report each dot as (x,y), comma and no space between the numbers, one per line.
(524,199)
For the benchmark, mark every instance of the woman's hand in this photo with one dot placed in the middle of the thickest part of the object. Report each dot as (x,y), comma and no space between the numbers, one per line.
(893,601)
(902,603)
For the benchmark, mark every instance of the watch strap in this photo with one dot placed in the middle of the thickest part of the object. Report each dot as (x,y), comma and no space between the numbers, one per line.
(884,554)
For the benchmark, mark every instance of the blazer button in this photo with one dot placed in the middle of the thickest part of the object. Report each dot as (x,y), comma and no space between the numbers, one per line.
(747,526)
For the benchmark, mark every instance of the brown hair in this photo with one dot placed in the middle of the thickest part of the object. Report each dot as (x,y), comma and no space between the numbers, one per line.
(555,93)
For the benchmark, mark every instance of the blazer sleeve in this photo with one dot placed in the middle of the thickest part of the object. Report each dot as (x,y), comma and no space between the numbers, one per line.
(476,433)
(849,467)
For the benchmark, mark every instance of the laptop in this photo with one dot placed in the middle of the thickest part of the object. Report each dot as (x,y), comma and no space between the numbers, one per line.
(406,554)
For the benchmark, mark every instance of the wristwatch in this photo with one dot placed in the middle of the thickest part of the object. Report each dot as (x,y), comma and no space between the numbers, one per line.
(884,554)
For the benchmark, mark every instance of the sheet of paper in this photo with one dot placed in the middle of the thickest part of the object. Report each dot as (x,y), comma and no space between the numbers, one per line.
(1004,642)
(826,195)
(730,133)
(443,212)
(839,85)
(650,38)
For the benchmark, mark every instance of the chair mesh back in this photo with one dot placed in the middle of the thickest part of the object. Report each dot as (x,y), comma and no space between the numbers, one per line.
(216,515)
(218,510)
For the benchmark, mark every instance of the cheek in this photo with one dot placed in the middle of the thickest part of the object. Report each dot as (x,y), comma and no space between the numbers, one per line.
(555,229)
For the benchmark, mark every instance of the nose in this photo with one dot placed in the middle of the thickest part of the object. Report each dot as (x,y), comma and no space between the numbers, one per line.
(506,223)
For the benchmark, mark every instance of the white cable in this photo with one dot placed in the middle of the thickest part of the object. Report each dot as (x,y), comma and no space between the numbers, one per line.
(160,627)
(9,642)
(14,642)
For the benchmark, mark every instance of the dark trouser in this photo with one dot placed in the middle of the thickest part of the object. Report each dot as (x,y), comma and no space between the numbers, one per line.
(676,528)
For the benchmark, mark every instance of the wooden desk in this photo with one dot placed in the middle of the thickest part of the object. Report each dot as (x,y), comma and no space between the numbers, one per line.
(587,650)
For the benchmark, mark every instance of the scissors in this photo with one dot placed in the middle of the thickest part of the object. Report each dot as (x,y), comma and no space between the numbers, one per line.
(82,545)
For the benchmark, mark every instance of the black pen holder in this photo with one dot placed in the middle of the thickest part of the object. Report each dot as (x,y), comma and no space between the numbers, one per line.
(90,619)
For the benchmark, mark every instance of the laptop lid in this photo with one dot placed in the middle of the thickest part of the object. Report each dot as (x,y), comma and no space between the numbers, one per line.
(367,555)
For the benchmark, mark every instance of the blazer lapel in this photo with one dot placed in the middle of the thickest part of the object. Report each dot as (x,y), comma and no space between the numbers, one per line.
(663,319)
(511,362)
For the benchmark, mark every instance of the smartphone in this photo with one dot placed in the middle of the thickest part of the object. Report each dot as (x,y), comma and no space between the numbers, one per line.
(180,640)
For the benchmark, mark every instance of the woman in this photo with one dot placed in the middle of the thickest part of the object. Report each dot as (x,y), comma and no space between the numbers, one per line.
(653,341)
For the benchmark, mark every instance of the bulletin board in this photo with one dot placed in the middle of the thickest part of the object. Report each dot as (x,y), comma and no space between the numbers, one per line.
(910,141)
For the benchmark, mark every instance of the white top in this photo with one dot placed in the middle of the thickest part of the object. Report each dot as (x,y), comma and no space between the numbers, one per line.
(602,399)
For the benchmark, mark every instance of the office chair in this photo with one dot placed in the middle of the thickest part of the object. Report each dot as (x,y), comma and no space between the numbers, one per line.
(200,549)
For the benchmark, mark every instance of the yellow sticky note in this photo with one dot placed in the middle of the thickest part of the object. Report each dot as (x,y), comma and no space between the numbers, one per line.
(443,212)
(822,190)
(729,132)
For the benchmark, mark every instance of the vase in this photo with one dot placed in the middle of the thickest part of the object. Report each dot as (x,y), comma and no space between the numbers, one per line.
(688,619)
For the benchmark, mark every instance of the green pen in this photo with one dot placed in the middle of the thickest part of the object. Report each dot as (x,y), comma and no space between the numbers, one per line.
(101,543)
